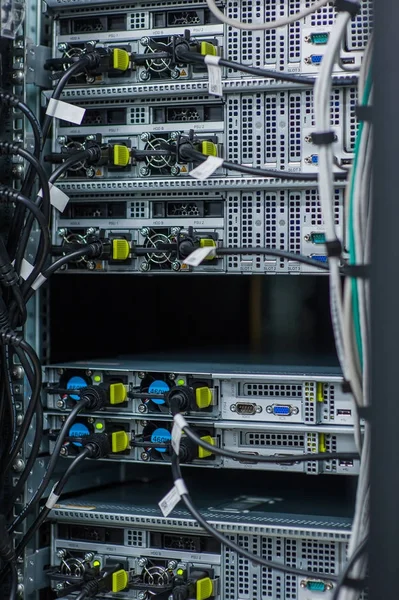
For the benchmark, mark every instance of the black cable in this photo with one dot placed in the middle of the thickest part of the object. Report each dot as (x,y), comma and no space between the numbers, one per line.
(176,473)
(36,384)
(15,196)
(42,516)
(13,580)
(82,595)
(90,59)
(187,152)
(51,465)
(253,250)
(69,162)
(361,549)
(268,459)
(186,56)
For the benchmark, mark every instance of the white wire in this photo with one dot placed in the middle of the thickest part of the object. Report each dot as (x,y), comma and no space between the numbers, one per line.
(322,96)
(283,21)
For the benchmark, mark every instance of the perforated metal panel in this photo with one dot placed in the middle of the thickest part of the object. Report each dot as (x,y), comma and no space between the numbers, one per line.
(275,390)
(274,440)
(135,538)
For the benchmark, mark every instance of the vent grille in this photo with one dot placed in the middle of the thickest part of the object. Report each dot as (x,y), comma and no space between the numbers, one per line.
(138,210)
(138,115)
(233,228)
(138,20)
(274,390)
(274,440)
(361,26)
(135,538)
(320,556)
(270,221)
(295,223)
(310,402)
(329,403)
(323,16)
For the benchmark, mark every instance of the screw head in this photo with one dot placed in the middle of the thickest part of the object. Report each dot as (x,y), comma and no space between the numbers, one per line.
(90,79)
(61,371)
(176,266)
(61,140)
(145,456)
(142,408)
(90,231)
(172,376)
(90,172)
(175,170)
(295,410)
(145,40)
(144,171)
(172,564)
(175,74)
(90,419)
(144,231)
(142,595)
(64,451)
(20,419)
(91,265)
(18,465)
(145,136)
(174,135)
(269,409)
(233,408)
(142,562)
(62,232)
(141,374)
(18,76)
(60,404)
(91,137)
(59,586)
(17,372)
(61,553)
(145,75)
(89,556)
(259,408)
(175,230)
(62,47)
(307,238)
(18,171)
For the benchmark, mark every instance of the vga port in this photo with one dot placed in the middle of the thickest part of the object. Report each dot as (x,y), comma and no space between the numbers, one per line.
(282,410)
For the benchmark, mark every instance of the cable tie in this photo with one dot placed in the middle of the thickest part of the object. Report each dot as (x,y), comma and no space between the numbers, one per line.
(65,111)
(181,487)
(356,271)
(324,138)
(350,6)
(364,112)
(334,248)
(346,387)
(40,279)
(53,498)
(364,412)
(177,431)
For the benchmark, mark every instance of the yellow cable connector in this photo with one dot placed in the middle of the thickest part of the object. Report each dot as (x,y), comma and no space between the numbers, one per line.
(322,442)
(120,579)
(119,441)
(204,589)
(320,392)
(117,393)
(208,243)
(209,148)
(120,249)
(121,155)
(203,397)
(202,453)
(208,48)
(120,59)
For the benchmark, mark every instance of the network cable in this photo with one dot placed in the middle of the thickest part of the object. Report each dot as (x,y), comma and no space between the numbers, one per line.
(177,476)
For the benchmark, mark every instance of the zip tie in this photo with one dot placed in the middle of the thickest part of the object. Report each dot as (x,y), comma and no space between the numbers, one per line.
(53,498)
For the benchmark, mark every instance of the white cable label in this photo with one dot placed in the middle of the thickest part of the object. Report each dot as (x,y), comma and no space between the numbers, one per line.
(57,197)
(168,502)
(177,431)
(26,269)
(65,111)
(181,487)
(52,499)
(214,75)
(40,279)
(207,168)
(195,258)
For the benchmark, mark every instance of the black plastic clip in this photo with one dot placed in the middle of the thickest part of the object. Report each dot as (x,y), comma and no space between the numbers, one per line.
(334,248)
(350,6)
(324,138)
(364,412)
(356,271)
(346,387)
(364,113)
